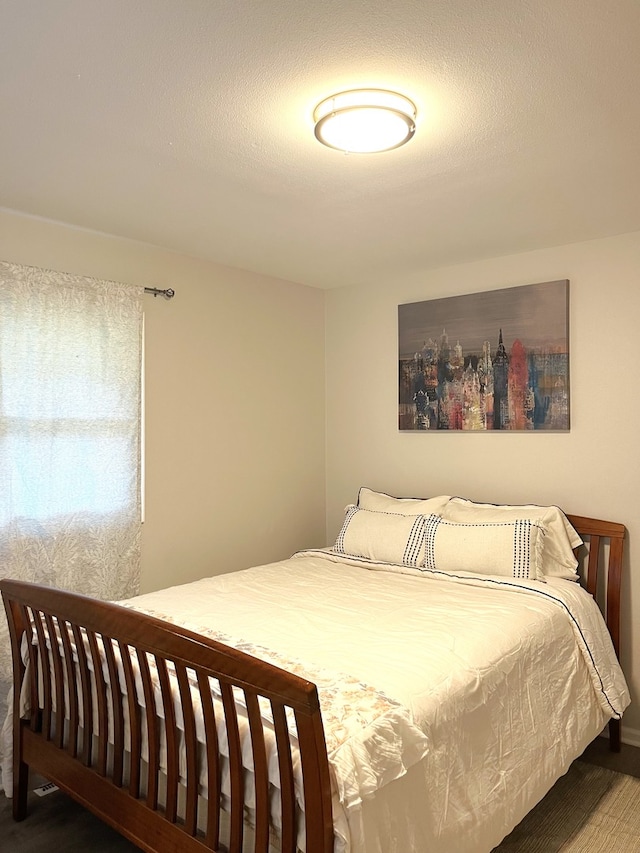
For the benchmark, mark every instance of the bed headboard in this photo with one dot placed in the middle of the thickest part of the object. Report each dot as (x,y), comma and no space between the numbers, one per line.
(600,567)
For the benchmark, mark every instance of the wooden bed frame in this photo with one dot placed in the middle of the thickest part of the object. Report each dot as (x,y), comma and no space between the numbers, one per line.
(100,645)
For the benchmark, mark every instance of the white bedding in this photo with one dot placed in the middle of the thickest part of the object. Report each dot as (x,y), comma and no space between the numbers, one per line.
(496,685)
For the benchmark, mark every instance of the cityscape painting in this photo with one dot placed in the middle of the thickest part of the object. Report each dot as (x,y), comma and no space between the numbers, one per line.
(496,360)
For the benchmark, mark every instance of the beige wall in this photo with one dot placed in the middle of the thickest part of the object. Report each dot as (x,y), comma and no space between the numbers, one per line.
(234,401)
(594,469)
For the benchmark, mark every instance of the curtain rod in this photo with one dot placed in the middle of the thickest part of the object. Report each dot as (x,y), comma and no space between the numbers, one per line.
(168,294)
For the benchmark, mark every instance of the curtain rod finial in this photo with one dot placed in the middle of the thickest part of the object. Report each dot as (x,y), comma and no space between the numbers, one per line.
(169,293)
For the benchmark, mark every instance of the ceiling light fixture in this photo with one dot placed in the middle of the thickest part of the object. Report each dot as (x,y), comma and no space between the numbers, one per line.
(363,121)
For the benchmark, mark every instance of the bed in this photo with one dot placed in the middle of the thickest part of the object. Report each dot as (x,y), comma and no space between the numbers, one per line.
(416,688)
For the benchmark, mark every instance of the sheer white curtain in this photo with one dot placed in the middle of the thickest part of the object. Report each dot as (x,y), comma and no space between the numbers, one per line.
(70,435)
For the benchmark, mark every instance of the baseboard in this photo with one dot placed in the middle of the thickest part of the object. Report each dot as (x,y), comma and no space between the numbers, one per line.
(630,736)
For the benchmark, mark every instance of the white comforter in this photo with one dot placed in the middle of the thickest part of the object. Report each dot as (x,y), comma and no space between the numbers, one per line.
(481,690)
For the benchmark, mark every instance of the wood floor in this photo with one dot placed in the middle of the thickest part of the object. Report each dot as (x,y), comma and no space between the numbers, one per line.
(56,824)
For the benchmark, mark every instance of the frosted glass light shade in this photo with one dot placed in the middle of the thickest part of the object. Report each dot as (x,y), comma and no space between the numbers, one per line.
(364,121)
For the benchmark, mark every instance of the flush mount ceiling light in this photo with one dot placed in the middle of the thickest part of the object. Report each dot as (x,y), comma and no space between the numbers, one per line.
(363,121)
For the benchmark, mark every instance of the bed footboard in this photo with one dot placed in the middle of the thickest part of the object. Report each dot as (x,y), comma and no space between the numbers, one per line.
(135,718)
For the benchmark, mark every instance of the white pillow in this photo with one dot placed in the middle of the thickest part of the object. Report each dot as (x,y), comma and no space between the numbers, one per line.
(379,502)
(505,548)
(558,559)
(382,536)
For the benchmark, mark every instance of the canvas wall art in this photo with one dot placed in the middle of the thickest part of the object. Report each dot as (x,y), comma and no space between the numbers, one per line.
(495,360)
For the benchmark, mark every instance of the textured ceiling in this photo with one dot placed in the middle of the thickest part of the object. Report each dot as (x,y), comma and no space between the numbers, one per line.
(188,125)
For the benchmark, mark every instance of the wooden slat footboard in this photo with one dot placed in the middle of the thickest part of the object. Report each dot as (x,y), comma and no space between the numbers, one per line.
(133,715)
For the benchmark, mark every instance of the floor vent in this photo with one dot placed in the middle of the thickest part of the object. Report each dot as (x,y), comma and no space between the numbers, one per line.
(43,790)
